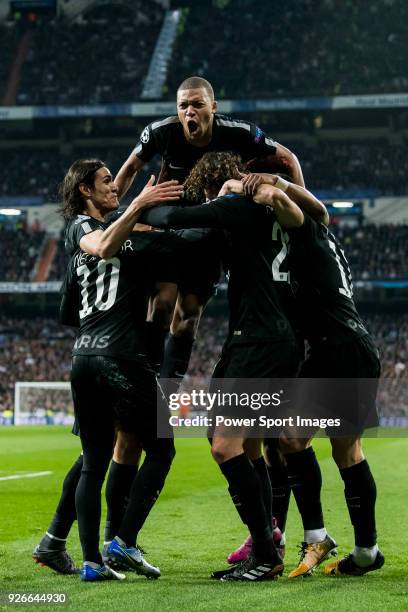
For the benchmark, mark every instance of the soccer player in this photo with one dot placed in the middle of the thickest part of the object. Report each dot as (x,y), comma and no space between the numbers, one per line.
(181,141)
(340,347)
(261,341)
(89,188)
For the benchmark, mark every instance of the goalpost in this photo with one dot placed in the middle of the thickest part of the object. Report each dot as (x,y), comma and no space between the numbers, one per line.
(43,403)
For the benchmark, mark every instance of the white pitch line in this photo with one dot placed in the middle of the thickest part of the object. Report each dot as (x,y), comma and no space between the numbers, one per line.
(32,475)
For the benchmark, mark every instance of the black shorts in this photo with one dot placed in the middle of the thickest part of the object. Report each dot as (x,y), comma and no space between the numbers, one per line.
(251,370)
(164,269)
(200,268)
(350,373)
(111,393)
(165,257)
(258,360)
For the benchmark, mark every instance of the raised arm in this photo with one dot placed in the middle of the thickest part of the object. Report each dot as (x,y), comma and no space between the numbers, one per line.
(282,160)
(300,195)
(177,217)
(105,243)
(127,173)
(287,212)
(289,159)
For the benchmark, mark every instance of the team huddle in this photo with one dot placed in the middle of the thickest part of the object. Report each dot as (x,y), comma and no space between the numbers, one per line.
(228,197)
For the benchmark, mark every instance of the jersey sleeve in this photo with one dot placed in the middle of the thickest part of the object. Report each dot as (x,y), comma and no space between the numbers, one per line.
(146,147)
(221,213)
(261,142)
(76,229)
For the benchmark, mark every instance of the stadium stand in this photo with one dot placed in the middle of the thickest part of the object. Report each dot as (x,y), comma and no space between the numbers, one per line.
(19,251)
(348,165)
(373,252)
(313,48)
(35,349)
(9,37)
(376,251)
(321,47)
(336,165)
(88,43)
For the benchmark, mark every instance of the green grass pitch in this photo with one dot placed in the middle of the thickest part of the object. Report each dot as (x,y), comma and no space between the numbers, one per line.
(192,528)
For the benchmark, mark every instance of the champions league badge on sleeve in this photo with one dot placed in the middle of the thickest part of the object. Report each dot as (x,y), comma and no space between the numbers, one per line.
(258,134)
(145,135)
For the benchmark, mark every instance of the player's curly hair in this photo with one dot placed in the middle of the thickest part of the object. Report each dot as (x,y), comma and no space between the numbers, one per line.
(211,172)
(81,171)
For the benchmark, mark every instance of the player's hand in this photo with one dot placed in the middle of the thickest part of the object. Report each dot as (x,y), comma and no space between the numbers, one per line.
(250,183)
(231,186)
(157,194)
(267,195)
(266,178)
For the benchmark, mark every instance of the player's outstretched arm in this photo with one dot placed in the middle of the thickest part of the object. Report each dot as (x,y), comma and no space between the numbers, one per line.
(282,160)
(300,195)
(127,173)
(105,243)
(287,212)
(292,162)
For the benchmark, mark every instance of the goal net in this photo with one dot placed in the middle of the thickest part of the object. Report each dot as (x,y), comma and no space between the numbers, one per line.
(43,403)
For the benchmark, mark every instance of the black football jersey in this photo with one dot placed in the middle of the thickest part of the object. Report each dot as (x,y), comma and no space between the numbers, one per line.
(258,290)
(79,226)
(166,138)
(156,241)
(323,285)
(149,244)
(113,297)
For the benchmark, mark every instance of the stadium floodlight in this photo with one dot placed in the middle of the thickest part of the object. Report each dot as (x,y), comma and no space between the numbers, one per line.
(343,204)
(10,212)
(43,403)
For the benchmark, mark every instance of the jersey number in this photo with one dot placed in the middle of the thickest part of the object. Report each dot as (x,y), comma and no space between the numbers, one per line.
(345,289)
(277,274)
(112,279)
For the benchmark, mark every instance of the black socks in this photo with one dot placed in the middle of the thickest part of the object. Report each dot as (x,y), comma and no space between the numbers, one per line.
(117,492)
(247,494)
(361,493)
(305,480)
(146,488)
(278,474)
(65,513)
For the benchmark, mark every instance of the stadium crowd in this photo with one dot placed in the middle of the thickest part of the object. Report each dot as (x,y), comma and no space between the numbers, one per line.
(373,252)
(45,168)
(336,165)
(39,349)
(376,251)
(103,77)
(313,47)
(15,242)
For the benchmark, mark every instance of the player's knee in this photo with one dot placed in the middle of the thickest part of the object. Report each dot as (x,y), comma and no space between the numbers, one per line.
(292,445)
(346,452)
(127,449)
(162,310)
(222,450)
(186,327)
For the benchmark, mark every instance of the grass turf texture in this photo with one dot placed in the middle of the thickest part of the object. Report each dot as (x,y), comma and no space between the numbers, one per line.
(192,528)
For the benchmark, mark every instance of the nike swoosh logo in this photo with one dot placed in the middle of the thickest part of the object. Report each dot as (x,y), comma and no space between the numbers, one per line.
(176,167)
